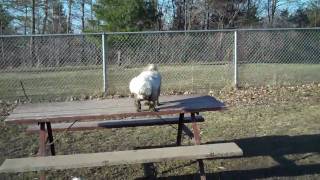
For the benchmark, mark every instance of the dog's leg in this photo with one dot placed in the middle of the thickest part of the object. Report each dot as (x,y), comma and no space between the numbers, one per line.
(152,106)
(137,103)
(158,103)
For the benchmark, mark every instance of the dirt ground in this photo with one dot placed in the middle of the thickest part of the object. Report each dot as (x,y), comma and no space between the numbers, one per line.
(278,129)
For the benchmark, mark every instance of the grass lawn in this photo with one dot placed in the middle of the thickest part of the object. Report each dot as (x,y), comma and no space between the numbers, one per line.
(278,74)
(79,81)
(277,128)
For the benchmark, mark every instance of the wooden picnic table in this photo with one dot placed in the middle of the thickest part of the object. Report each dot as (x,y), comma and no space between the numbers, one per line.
(108,109)
(95,110)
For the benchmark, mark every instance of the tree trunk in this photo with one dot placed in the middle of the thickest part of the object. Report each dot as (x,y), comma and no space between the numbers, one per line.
(91,10)
(268,11)
(46,7)
(38,21)
(26,20)
(174,10)
(82,17)
(159,14)
(55,17)
(33,16)
(69,16)
(190,16)
(185,14)
(232,19)
(273,10)
(206,18)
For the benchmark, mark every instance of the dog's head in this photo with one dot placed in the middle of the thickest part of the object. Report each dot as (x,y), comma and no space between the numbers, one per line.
(152,67)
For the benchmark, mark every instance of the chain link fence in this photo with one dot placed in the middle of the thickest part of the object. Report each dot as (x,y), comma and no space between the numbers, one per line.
(187,61)
(50,66)
(278,57)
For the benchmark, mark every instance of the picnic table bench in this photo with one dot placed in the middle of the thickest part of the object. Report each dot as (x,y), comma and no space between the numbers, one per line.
(45,118)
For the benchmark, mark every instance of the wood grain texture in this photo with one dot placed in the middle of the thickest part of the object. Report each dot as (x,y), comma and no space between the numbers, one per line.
(108,109)
(79,126)
(120,157)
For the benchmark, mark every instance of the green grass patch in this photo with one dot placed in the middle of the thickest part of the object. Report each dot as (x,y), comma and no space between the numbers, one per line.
(278,74)
(44,84)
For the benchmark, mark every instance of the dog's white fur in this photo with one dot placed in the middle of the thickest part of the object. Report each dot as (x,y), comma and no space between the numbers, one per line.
(146,86)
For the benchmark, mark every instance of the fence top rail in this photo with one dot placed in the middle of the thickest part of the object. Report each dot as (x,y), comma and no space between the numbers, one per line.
(212,30)
(163,32)
(48,35)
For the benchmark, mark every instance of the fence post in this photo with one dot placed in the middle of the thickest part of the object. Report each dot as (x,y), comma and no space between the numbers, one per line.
(235,58)
(104,63)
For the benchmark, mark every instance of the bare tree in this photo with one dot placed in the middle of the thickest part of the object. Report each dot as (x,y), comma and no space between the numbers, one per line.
(46,8)
(33,17)
(69,24)
(91,10)
(272,6)
(56,16)
(26,19)
(83,15)
(271,10)
(206,16)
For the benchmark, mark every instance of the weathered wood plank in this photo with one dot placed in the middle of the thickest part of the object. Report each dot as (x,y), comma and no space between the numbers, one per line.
(108,109)
(120,157)
(78,126)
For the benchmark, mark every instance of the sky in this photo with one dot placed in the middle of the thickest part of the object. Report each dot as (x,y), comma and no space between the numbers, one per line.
(291,5)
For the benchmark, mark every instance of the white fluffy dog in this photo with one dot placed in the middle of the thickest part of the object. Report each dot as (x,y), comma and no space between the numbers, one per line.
(146,86)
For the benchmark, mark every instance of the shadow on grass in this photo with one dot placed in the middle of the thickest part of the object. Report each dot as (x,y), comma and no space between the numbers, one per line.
(274,146)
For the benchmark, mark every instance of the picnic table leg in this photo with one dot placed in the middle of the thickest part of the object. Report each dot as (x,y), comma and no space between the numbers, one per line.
(42,139)
(50,138)
(197,141)
(42,145)
(180,124)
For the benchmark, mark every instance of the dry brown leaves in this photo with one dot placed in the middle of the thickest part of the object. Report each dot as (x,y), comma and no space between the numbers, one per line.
(268,94)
